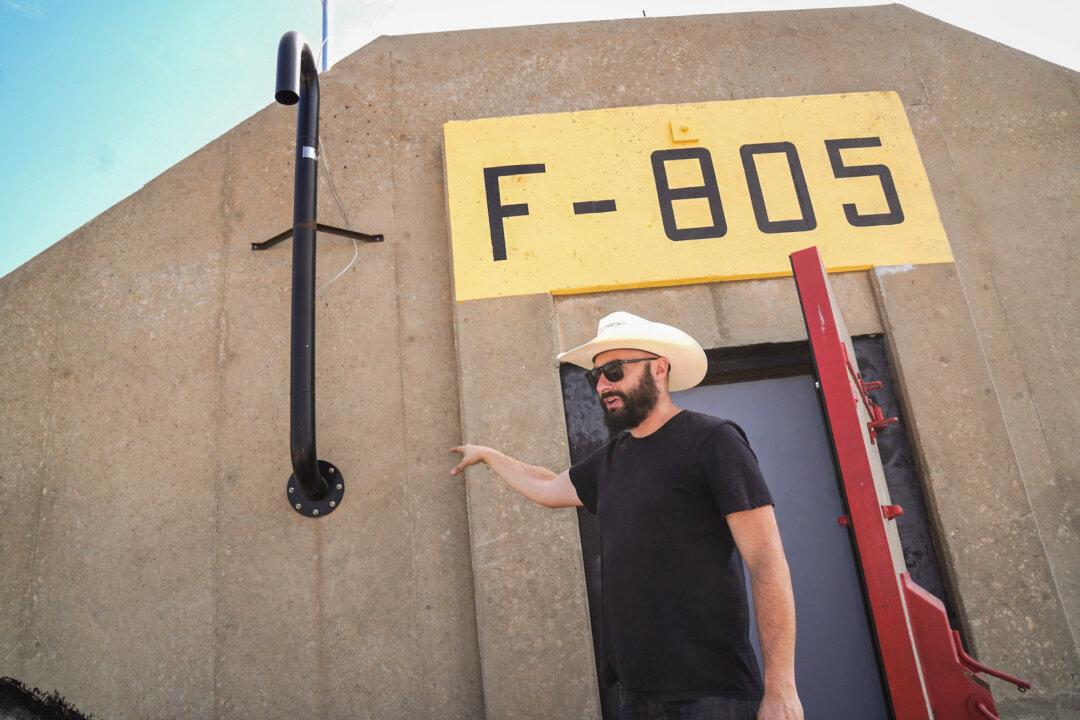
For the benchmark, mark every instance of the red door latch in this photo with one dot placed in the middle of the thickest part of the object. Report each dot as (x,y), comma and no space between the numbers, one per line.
(878,421)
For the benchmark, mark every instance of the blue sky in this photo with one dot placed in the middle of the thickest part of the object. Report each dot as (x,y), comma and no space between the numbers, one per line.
(101,97)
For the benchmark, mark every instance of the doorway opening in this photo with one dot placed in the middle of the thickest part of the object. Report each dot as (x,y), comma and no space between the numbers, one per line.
(769,391)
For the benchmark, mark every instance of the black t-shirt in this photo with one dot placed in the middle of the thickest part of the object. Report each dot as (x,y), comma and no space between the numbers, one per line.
(675,615)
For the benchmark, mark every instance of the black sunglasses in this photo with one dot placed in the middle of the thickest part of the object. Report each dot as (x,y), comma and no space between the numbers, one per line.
(613,370)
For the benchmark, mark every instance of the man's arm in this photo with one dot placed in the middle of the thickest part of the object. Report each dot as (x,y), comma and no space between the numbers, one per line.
(758,540)
(538,484)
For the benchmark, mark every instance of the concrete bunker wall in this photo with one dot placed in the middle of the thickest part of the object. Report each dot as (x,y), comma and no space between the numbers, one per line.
(150,561)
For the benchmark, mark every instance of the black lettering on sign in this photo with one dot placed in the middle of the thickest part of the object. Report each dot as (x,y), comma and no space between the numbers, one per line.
(667,195)
(806,221)
(895,215)
(594,206)
(497,212)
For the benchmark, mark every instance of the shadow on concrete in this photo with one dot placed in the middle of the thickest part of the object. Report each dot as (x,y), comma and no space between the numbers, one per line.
(17,702)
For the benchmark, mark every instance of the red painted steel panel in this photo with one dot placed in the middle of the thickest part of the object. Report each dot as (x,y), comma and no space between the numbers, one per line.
(840,399)
(954,691)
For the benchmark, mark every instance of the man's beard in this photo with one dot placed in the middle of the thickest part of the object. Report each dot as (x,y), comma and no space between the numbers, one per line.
(636,404)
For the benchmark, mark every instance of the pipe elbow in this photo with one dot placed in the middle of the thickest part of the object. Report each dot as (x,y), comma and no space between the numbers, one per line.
(295,65)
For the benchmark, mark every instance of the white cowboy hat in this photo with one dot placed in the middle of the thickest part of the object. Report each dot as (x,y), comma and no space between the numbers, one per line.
(622,330)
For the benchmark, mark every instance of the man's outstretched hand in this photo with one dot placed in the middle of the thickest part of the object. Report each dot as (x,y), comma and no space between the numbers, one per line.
(470,455)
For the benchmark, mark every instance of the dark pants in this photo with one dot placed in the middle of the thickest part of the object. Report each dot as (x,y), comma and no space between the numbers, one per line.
(706,708)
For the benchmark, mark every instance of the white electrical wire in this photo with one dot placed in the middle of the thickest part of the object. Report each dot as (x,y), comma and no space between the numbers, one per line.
(333,188)
(341,206)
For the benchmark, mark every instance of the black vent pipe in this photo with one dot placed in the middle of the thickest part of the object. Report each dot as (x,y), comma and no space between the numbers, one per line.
(315,487)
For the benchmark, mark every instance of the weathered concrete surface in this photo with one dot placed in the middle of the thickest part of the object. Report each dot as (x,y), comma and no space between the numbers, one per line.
(973,485)
(30,297)
(531,607)
(150,561)
(120,590)
(445,614)
(1004,128)
(721,314)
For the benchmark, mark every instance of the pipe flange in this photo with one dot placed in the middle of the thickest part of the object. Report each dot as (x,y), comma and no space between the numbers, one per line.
(324,505)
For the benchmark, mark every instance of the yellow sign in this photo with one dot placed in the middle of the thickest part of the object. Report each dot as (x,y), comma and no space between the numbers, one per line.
(676,194)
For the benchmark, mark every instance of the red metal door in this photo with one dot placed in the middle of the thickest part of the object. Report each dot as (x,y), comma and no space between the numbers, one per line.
(927,673)
(863,483)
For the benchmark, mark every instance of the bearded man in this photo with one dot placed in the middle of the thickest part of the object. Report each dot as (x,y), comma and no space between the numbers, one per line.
(679,498)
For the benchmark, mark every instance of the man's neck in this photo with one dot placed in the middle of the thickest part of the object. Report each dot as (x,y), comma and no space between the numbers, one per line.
(664,411)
